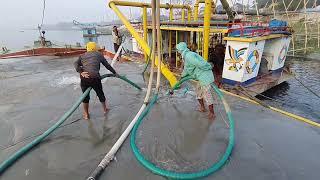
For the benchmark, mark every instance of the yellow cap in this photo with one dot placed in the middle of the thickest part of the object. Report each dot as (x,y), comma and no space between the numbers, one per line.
(91,46)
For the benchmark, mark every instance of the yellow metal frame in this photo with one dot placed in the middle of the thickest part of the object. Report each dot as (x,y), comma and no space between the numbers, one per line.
(254,39)
(145,29)
(170,33)
(148,5)
(165,71)
(206,28)
(196,9)
(191,29)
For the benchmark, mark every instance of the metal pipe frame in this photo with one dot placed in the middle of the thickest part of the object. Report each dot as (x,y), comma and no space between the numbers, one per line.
(165,71)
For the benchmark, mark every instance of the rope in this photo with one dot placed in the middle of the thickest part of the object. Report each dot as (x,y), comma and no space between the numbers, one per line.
(35,135)
(310,90)
(296,117)
(295,77)
(192,175)
(14,157)
(43,12)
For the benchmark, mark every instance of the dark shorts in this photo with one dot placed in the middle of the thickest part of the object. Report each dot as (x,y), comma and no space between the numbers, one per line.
(116,47)
(96,86)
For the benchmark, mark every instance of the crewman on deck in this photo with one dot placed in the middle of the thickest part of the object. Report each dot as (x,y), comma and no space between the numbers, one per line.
(88,65)
(199,69)
(116,38)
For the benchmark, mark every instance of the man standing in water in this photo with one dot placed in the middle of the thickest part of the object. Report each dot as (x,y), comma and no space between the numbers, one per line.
(116,38)
(196,67)
(88,65)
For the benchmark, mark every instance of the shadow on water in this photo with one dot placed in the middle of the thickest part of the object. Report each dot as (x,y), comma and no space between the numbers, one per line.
(280,90)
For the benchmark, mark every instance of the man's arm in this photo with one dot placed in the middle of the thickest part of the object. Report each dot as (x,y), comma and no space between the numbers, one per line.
(106,64)
(78,65)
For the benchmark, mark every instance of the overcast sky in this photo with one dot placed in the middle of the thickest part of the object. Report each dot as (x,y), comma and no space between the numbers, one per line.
(28,13)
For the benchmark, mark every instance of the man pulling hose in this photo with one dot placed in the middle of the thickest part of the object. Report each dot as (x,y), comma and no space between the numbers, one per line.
(196,67)
(88,65)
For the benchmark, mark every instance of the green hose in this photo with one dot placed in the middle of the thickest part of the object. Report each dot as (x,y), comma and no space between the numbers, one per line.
(174,175)
(8,162)
(148,61)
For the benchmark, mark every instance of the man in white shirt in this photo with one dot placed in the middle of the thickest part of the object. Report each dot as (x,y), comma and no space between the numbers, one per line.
(116,38)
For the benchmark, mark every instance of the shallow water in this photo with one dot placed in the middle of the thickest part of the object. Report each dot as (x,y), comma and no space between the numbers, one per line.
(16,40)
(37,91)
(295,98)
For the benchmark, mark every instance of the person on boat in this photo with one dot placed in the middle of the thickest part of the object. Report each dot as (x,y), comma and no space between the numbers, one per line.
(216,59)
(196,67)
(116,38)
(88,65)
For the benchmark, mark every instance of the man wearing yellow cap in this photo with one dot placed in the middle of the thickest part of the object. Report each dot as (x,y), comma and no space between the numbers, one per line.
(88,65)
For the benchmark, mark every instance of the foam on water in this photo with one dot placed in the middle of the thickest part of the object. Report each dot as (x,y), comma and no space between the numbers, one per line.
(66,81)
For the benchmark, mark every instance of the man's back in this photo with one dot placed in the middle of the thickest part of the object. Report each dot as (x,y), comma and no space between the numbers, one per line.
(90,62)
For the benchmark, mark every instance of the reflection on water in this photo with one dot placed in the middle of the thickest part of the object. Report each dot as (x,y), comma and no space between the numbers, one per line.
(292,96)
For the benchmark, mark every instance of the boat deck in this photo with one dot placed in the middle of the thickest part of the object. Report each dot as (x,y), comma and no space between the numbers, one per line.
(262,84)
(37,91)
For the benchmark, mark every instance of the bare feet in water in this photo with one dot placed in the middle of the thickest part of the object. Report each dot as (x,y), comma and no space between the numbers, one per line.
(86,116)
(106,110)
(202,109)
(211,116)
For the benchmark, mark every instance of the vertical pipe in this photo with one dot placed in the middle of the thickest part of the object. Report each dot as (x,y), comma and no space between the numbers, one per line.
(145,30)
(176,51)
(189,15)
(256,5)
(243,9)
(206,28)
(199,43)
(274,12)
(153,49)
(305,27)
(196,12)
(183,15)
(165,71)
(318,33)
(159,41)
(170,33)
(288,19)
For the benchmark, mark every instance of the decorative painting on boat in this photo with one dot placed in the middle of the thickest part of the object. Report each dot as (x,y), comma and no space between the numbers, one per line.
(252,61)
(282,54)
(235,59)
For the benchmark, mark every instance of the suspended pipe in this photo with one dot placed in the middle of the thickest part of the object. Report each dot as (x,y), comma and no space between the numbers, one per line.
(14,157)
(110,155)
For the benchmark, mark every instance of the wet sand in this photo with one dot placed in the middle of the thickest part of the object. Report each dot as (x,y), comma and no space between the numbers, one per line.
(37,91)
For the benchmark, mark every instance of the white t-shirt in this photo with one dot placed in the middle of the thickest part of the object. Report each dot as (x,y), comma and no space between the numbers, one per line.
(116,39)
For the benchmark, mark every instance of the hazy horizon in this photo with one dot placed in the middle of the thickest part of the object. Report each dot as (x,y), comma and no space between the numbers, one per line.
(28,13)
(22,14)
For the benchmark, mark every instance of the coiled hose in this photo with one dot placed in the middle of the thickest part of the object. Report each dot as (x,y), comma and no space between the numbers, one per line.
(14,157)
(175,175)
